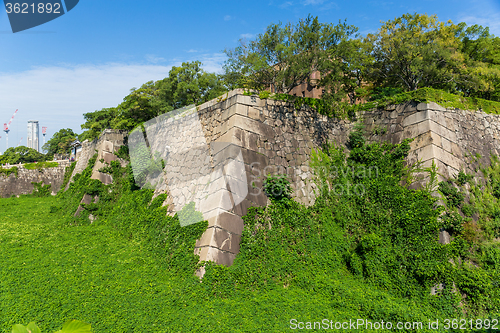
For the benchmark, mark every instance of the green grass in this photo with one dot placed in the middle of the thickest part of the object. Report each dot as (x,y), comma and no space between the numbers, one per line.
(40,165)
(373,256)
(52,272)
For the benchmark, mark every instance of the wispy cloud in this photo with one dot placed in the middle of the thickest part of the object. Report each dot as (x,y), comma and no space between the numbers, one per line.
(58,96)
(286,4)
(312,2)
(228,18)
(213,62)
(154,59)
(491,20)
(192,51)
(247,36)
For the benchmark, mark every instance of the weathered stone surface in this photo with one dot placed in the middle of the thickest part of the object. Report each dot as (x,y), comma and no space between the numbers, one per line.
(216,255)
(273,137)
(22,184)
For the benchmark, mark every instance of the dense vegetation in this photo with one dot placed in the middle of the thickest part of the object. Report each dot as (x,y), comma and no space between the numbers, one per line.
(22,154)
(60,143)
(410,52)
(368,249)
(407,54)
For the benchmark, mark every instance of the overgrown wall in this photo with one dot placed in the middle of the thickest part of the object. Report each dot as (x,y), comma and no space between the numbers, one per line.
(22,183)
(240,139)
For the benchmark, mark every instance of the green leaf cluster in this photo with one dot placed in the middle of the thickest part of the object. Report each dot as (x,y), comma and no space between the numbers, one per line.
(60,142)
(22,154)
(185,85)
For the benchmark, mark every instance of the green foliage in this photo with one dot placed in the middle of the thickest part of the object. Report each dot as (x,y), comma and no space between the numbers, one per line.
(9,171)
(40,165)
(468,209)
(60,142)
(123,153)
(71,326)
(22,154)
(384,92)
(462,178)
(277,187)
(414,51)
(453,222)
(40,190)
(67,174)
(357,136)
(188,215)
(367,251)
(185,85)
(286,56)
(454,197)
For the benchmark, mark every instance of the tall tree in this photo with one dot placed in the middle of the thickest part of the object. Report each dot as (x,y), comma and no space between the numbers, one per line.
(414,51)
(22,154)
(60,142)
(285,56)
(186,84)
(481,70)
(96,122)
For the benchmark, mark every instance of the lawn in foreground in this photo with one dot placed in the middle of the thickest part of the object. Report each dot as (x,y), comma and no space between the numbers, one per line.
(51,272)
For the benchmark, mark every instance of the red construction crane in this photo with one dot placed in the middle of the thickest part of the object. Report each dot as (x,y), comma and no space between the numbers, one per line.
(44,131)
(6,129)
(20,142)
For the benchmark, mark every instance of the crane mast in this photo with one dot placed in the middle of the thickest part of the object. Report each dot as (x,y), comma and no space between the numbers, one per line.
(6,129)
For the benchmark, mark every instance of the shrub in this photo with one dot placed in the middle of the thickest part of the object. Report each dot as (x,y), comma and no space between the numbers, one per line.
(40,190)
(277,187)
(453,196)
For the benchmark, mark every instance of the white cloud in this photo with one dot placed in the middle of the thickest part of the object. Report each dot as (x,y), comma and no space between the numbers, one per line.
(213,62)
(286,4)
(58,96)
(154,59)
(313,2)
(490,19)
(228,18)
(247,36)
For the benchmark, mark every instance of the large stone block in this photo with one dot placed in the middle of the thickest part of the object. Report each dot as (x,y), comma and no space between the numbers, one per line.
(220,239)
(227,221)
(430,106)
(105,178)
(425,139)
(213,254)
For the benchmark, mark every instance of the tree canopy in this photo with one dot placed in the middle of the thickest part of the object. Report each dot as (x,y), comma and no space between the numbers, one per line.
(22,154)
(185,85)
(410,52)
(60,142)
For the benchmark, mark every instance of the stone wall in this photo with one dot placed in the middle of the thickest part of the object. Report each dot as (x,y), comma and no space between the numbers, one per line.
(22,183)
(218,154)
(105,146)
(454,139)
(275,138)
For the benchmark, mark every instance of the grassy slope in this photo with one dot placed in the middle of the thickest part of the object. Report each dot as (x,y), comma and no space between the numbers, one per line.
(51,272)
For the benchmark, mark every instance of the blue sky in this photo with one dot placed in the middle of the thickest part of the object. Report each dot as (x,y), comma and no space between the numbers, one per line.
(89,58)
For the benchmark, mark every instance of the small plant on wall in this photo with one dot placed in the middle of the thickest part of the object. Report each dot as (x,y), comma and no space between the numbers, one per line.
(277,187)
